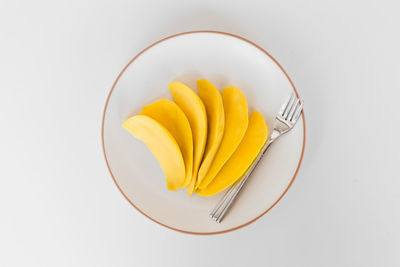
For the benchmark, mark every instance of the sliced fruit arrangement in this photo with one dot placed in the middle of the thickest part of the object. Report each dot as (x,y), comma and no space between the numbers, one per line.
(204,142)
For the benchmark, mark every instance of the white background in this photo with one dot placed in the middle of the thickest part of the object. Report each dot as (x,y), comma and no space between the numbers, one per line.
(58,203)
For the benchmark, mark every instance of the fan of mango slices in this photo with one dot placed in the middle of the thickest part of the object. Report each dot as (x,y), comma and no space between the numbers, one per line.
(204,142)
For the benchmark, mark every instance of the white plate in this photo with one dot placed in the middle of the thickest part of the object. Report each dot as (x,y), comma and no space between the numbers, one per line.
(225,60)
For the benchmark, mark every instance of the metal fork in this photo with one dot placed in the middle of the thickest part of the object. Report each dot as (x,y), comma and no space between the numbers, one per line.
(285,120)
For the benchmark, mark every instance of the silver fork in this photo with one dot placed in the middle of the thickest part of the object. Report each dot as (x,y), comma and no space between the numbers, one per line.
(285,120)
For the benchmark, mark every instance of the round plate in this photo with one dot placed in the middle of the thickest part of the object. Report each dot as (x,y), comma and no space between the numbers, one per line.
(225,60)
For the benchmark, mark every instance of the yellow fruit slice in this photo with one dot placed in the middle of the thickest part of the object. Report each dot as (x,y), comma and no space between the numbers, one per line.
(169,115)
(212,100)
(236,120)
(195,111)
(242,158)
(163,146)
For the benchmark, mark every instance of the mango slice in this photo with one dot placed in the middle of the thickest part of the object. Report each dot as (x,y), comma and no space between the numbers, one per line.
(169,115)
(212,100)
(195,111)
(163,146)
(242,158)
(236,120)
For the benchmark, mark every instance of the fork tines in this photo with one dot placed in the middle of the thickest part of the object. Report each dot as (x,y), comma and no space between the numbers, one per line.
(291,109)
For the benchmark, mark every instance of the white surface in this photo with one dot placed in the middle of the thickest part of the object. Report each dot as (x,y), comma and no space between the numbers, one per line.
(58,204)
(224,60)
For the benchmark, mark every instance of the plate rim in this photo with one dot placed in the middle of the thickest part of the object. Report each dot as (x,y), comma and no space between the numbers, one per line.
(104,115)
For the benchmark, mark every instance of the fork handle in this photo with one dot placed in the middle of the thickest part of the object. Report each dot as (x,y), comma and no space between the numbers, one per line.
(227,200)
